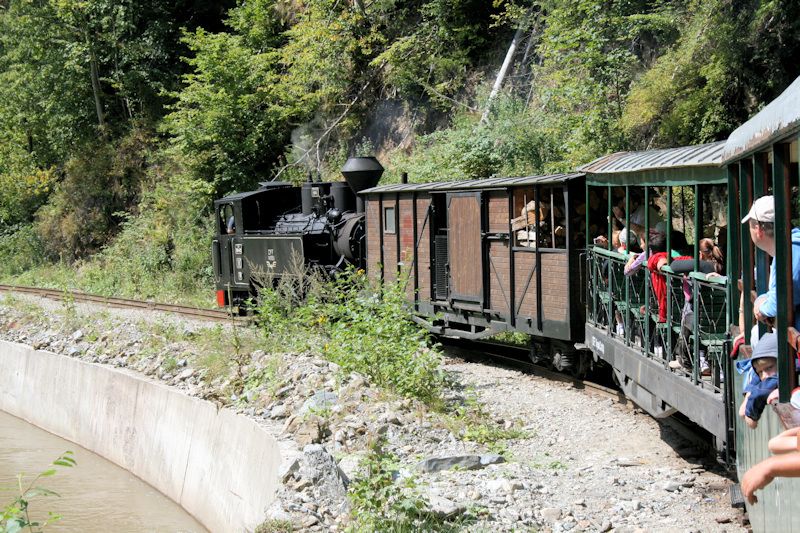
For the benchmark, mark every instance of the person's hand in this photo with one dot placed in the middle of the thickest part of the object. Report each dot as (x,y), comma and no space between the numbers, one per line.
(752,424)
(754,479)
(743,407)
(773,397)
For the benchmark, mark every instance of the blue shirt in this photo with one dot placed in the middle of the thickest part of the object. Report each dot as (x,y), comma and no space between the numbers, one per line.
(770,306)
(757,400)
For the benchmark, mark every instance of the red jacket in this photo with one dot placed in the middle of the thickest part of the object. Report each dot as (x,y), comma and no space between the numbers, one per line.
(659,283)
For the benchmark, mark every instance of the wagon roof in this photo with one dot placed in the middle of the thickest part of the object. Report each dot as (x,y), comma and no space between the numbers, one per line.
(488,183)
(779,119)
(670,166)
(265,185)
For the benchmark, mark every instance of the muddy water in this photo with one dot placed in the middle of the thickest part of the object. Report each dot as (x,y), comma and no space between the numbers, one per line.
(96,495)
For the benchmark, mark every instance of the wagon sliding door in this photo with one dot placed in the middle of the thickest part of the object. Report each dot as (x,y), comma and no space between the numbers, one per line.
(465,249)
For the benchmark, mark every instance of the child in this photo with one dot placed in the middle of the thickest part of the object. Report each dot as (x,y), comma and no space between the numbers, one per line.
(765,365)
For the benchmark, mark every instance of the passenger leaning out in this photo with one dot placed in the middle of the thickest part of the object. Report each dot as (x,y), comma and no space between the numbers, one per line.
(764,363)
(658,258)
(761,220)
(712,265)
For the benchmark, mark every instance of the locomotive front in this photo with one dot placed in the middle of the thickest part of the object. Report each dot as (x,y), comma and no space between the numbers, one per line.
(266,234)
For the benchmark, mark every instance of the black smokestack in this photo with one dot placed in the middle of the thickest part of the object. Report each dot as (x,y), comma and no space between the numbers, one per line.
(361,173)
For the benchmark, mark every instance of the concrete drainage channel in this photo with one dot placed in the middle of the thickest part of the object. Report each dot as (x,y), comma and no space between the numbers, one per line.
(219,466)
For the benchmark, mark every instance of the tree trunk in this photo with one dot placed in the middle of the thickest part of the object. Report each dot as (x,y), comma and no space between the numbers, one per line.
(98,103)
(498,82)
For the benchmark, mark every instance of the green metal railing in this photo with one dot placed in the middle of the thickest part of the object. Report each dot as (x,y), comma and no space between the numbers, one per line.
(620,300)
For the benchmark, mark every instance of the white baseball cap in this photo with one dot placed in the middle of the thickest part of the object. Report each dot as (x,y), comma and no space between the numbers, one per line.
(625,234)
(763,210)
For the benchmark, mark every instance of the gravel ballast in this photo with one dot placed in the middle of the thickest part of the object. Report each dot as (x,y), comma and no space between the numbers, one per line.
(578,461)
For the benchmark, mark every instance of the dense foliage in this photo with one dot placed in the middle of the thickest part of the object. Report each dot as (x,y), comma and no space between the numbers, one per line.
(110,111)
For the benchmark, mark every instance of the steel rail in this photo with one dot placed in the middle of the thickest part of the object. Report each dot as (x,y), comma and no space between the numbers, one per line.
(219,315)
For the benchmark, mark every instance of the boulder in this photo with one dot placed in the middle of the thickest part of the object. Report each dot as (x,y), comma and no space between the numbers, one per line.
(321,400)
(328,482)
(310,431)
(443,508)
(438,464)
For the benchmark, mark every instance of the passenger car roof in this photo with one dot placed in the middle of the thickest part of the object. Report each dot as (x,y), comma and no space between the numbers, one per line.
(465,185)
(670,166)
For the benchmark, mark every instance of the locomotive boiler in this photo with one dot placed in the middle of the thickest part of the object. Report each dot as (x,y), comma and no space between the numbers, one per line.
(265,234)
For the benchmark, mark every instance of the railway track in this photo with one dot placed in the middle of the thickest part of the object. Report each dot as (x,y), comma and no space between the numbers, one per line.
(517,357)
(217,315)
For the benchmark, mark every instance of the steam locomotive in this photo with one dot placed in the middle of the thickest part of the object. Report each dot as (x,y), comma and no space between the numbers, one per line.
(266,233)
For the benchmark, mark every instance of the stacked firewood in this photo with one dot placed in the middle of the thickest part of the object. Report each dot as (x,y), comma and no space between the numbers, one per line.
(529,227)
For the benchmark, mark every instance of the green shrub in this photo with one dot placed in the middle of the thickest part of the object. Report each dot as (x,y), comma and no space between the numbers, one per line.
(20,249)
(360,327)
(99,183)
(370,331)
(381,503)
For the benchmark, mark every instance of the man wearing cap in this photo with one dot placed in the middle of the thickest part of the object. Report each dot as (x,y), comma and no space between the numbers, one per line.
(761,220)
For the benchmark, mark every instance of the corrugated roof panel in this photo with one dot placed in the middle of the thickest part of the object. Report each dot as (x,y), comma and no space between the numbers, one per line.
(686,156)
(488,183)
(780,118)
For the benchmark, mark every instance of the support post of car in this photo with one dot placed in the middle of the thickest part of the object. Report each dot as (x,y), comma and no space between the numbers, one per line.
(382,237)
(647,287)
(539,320)
(415,240)
(733,252)
(698,308)
(732,267)
(670,279)
(760,178)
(609,275)
(483,199)
(745,200)
(511,273)
(783,266)
(626,280)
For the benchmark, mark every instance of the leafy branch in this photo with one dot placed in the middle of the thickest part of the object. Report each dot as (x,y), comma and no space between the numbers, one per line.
(16,515)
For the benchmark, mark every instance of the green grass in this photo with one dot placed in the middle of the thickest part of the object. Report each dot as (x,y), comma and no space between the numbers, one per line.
(92,278)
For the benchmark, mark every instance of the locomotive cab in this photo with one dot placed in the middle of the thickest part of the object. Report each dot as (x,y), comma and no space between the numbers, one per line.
(280,230)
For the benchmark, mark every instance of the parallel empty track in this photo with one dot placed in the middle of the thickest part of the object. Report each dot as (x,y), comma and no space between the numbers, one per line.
(219,315)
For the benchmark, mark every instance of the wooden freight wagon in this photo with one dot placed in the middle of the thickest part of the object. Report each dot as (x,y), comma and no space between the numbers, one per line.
(484,256)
